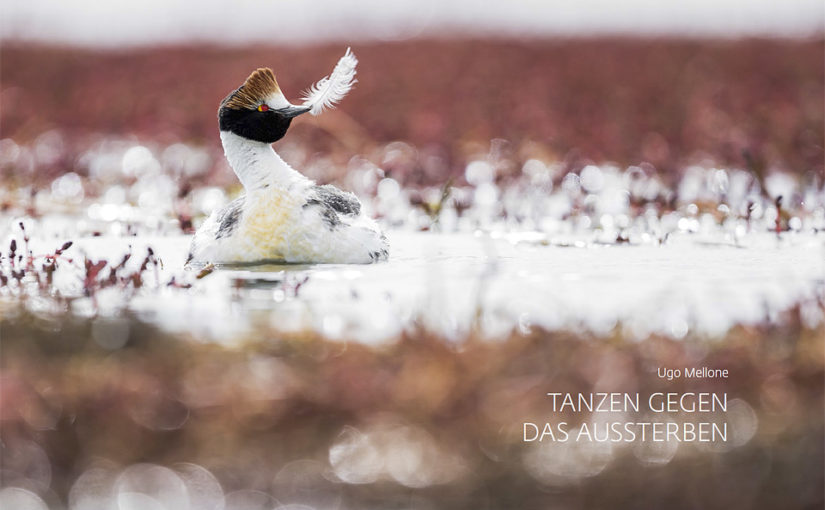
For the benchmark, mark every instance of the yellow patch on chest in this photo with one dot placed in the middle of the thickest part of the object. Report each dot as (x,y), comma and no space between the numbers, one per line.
(267,223)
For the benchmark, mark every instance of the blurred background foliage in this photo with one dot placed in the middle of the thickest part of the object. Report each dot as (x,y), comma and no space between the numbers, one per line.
(743,103)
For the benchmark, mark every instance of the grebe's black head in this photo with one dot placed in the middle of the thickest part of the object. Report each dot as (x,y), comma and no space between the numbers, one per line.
(258,110)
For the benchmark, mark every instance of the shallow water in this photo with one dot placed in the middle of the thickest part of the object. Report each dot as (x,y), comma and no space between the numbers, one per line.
(454,284)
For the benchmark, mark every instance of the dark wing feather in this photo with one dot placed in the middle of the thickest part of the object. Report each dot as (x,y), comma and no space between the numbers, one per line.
(333,202)
(339,201)
(228,217)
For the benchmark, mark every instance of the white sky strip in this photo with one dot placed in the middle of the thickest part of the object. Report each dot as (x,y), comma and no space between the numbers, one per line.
(125,23)
(331,89)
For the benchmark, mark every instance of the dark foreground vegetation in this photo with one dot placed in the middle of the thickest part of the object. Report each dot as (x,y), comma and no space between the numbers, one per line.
(421,423)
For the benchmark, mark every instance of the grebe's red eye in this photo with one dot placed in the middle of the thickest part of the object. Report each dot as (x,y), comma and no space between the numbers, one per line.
(263,108)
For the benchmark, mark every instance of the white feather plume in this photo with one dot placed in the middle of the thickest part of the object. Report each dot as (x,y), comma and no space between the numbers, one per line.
(331,89)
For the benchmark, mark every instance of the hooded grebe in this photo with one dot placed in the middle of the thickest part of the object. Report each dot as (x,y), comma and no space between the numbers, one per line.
(283,216)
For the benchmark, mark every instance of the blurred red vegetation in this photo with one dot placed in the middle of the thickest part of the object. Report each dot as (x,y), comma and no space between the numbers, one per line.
(746,103)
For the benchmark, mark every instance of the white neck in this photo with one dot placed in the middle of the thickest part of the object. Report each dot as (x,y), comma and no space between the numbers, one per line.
(256,163)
